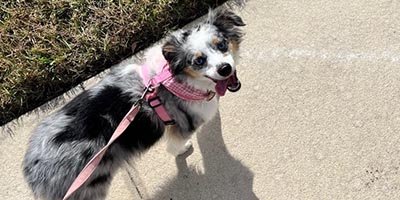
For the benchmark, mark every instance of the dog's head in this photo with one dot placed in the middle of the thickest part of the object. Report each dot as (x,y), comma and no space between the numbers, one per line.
(208,51)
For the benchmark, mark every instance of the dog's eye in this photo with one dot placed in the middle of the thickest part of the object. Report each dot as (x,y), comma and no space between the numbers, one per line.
(222,46)
(200,60)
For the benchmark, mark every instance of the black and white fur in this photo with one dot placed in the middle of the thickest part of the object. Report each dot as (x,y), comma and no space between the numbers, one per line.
(66,140)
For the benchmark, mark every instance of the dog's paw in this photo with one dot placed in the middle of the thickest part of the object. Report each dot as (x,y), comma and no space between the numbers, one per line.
(177,150)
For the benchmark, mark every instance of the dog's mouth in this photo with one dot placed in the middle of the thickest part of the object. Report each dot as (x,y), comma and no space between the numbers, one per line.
(232,83)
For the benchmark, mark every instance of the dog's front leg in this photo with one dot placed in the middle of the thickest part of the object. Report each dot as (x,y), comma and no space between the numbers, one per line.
(177,144)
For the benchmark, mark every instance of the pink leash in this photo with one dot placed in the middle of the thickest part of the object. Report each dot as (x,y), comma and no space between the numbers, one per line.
(163,77)
(88,170)
(94,162)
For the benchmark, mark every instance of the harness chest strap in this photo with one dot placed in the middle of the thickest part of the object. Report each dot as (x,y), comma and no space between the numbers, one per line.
(153,100)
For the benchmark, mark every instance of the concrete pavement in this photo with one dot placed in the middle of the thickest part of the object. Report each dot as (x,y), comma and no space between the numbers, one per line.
(318,116)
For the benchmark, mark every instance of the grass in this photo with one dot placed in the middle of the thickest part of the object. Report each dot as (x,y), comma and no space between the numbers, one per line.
(49,46)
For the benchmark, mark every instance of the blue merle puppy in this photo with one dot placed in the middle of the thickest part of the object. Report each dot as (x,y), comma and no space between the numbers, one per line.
(66,140)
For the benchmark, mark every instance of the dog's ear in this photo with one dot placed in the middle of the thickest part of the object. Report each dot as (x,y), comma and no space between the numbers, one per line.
(227,22)
(225,18)
(170,51)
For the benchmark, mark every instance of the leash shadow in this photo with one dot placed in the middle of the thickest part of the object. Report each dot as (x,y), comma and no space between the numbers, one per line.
(223,177)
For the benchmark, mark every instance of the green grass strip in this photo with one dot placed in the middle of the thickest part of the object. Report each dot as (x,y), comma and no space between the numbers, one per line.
(48,47)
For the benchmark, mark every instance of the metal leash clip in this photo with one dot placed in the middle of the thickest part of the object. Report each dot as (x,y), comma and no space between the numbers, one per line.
(141,99)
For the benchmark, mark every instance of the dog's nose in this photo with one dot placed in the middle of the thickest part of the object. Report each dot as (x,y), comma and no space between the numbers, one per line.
(225,69)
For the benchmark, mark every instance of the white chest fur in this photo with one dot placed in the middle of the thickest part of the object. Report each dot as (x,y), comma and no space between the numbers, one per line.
(206,109)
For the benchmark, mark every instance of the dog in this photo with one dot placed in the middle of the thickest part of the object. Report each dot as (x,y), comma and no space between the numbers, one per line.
(66,140)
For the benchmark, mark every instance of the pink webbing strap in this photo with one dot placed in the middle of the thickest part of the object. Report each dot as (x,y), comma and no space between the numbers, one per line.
(180,90)
(187,92)
(94,162)
(155,102)
(152,98)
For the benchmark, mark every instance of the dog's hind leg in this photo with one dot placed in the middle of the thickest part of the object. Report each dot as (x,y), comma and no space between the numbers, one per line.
(176,143)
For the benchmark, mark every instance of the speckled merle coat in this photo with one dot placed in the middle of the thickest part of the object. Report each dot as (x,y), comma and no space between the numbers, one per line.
(67,139)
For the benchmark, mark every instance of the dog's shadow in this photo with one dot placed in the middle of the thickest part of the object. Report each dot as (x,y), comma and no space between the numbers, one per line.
(224,177)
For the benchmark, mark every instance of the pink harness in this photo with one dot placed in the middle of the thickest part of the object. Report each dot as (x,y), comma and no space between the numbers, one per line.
(163,77)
